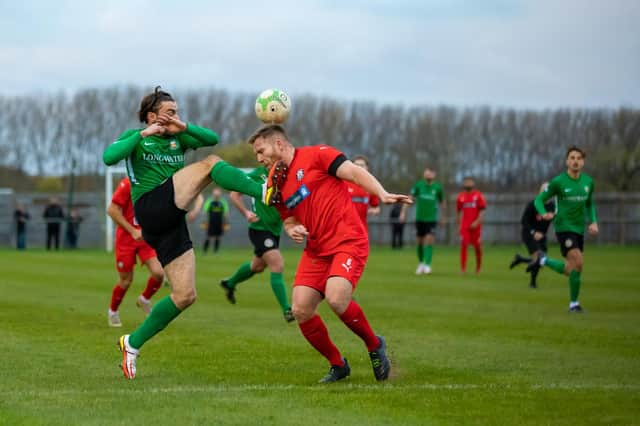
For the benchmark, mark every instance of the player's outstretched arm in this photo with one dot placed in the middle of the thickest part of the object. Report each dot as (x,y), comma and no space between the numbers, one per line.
(352,173)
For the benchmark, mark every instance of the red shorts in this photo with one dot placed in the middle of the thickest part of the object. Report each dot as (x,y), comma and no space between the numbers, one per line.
(315,271)
(470,236)
(126,250)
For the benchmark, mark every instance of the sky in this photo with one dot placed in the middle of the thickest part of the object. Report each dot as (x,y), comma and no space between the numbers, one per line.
(520,53)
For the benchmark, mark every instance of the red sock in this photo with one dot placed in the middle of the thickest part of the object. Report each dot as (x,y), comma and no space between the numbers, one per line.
(316,333)
(354,318)
(116,297)
(152,287)
(478,248)
(463,257)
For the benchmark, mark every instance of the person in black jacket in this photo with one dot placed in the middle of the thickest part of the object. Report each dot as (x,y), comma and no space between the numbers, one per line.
(21,216)
(53,216)
(534,237)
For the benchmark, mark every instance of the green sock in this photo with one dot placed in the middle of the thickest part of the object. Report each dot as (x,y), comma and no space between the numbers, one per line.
(279,290)
(161,315)
(574,285)
(243,273)
(428,254)
(230,178)
(420,251)
(556,265)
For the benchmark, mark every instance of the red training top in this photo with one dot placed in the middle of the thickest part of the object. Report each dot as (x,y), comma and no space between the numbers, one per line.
(470,203)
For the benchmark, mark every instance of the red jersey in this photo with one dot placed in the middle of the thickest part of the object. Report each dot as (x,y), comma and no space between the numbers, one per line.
(362,200)
(470,203)
(122,198)
(321,202)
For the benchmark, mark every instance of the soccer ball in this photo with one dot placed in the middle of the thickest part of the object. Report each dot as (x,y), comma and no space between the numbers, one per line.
(273,106)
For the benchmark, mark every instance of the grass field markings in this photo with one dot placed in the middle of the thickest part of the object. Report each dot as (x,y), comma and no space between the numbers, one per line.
(289,387)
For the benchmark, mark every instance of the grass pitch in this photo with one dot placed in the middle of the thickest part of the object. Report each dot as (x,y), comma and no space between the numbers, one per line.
(466,349)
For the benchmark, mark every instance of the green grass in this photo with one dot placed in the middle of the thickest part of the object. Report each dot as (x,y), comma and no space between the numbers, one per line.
(466,349)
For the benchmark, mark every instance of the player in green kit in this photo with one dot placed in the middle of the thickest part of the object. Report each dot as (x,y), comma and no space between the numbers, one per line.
(574,200)
(429,198)
(265,226)
(162,190)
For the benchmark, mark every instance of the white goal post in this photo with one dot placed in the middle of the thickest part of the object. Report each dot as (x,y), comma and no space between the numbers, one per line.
(114,171)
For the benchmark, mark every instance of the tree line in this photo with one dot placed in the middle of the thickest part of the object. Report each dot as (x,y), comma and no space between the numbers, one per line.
(45,134)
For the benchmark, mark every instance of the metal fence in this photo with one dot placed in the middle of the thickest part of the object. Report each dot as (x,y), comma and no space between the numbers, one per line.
(618,213)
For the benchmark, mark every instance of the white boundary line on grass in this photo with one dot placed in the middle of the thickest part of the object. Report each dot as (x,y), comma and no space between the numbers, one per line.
(284,387)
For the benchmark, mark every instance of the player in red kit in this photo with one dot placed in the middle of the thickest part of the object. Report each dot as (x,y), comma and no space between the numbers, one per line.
(129,243)
(314,203)
(470,205)
(365,203)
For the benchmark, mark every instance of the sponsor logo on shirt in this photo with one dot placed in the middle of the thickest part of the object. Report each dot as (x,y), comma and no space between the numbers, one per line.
(299,175)
(302,193)
(162,158)
(363,200)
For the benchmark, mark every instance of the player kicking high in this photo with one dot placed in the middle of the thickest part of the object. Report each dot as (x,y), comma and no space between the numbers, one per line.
(314,203)
(162,190)
(574,194)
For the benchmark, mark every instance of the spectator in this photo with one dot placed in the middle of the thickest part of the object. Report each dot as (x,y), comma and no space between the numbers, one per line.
(53,216)
(21,216)
(397,227)
(73,228)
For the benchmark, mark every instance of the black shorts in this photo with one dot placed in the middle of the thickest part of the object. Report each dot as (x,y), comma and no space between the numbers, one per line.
(533,245)
(163,224)
(568,241)
(424,228)
(215,229)
(263,241)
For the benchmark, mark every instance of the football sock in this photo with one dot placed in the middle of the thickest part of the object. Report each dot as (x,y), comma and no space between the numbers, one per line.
(534,276)
(280,291)
(117,294)
(161,315)
(556,265)
(478,249)
(463,257)
(428,254)
(353,317)
(420,252)
(574,286)
(205,247)
(152,288)
(230,178)
(216,245)
(243,273)
(317,335)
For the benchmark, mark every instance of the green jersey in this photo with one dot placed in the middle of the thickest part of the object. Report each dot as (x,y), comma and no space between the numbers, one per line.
(269,217)
(152,160)
(574,202)
(427,196)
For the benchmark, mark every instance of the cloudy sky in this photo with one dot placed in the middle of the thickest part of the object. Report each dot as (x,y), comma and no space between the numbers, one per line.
(521,53)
